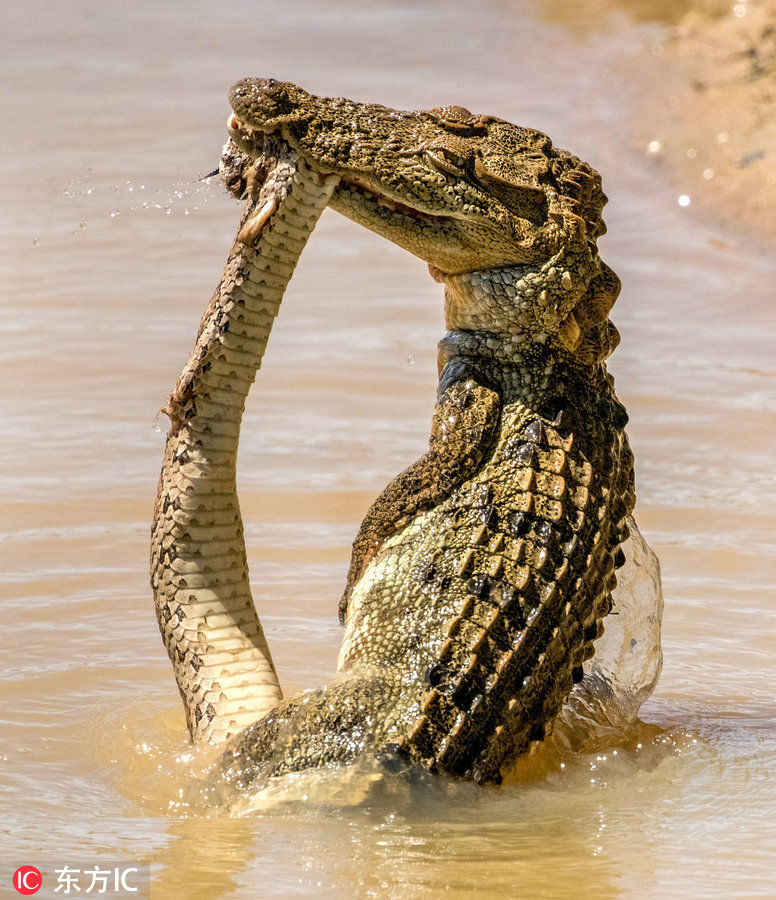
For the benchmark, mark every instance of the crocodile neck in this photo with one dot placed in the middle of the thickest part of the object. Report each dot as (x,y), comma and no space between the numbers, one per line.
(519,370)
(495,330)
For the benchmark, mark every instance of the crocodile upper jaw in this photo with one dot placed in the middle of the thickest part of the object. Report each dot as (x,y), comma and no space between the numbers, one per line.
(441,185)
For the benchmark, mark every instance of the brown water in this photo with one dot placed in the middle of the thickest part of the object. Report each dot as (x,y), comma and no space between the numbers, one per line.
(111,252)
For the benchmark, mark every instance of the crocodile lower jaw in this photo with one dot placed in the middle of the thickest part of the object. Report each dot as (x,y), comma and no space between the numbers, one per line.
(367,196)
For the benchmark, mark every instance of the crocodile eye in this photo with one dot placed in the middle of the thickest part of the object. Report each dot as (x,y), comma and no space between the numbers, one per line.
(446,160)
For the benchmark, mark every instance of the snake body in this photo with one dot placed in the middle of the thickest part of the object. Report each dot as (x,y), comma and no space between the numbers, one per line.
(199,568)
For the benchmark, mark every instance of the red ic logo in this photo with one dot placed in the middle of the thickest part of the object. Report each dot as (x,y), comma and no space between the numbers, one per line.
(27,880)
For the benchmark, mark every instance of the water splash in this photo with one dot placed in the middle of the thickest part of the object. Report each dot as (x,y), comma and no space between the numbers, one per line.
(156,424)
(180,198)
(628,658)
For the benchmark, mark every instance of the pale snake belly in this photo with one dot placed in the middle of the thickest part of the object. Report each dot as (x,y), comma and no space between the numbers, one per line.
(199,570)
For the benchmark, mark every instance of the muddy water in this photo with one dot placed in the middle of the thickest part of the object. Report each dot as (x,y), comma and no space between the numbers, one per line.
(111,252)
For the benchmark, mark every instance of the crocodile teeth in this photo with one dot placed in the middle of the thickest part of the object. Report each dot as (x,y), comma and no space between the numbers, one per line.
(237,129)
(252,229)
(384,201)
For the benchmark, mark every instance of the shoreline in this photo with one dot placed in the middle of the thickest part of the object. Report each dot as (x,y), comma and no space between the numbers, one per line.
(707,115)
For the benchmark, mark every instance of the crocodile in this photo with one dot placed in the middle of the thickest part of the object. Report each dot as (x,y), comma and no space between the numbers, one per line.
(481,576)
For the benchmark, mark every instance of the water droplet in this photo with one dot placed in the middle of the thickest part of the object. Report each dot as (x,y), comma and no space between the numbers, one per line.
(82,223)
(708,174)
(410,359)
(684,200)
(157,419)
(35,241)
(692,153)
(654,146)
(723,137)
(114,214)
(739,10)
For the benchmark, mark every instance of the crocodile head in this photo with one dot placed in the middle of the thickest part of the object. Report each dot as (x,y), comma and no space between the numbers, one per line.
(463,192)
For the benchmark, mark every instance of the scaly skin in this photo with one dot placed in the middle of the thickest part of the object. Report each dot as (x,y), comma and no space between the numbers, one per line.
(199,571)
(480,577)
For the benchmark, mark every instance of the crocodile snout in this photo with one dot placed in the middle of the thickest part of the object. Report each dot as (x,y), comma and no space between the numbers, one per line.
(266,103)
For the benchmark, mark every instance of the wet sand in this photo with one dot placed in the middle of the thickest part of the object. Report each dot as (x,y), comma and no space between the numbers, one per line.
(703,85)
(708,114)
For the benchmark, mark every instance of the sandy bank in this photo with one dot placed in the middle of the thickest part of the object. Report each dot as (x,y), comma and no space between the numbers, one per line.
(707,113)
